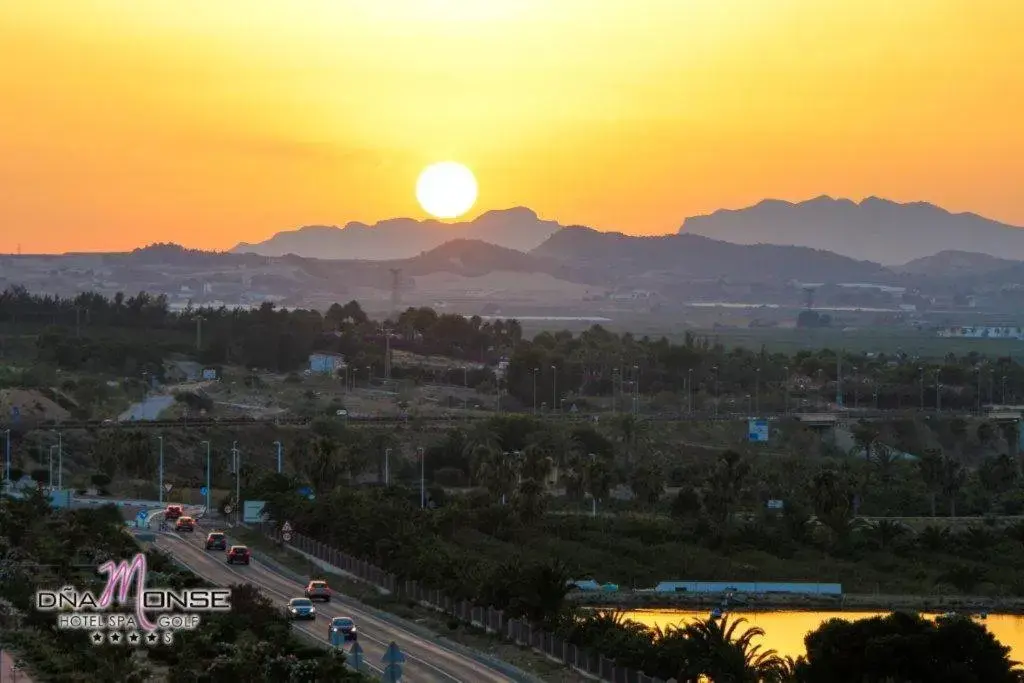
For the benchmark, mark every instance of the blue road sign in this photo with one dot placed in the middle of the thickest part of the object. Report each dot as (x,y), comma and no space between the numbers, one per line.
(392,661)
(392,673)
(355,656)
(203,490)
(305,491)
(142,515)
(15,413)
(337,638)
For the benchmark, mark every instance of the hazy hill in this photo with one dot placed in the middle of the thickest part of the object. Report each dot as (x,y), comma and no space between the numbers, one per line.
(696,257)
(955,263)
(874,229)
(401,238)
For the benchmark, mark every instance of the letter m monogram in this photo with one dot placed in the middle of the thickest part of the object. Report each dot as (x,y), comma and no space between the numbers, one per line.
(119,580)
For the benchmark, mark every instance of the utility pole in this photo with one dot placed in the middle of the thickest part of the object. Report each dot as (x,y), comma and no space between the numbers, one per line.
(161,481)
(278,444)
(60,461)
(535,371)
(199,332)
(7,460)
(839,378)
(237,464)
(387,466)
(554,387)
(423,478)
(207,444)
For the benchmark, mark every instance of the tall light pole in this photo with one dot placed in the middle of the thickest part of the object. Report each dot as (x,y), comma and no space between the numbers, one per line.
(160,483)
(207,444)
(921,381)
(786,406)
(757,392)
(387,466)
(423,477)
(535,371)
(278,444)
(636,390)
(237,464)
(7,450)
(938,394)
(60,456)
(554,387)
(714,369)
(689,390)
(51,467)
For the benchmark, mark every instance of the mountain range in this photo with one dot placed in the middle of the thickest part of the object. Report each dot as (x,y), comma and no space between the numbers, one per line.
(875,230)
(398,238)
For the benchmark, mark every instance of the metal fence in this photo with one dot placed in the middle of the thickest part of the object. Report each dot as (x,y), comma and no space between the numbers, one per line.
(489,619)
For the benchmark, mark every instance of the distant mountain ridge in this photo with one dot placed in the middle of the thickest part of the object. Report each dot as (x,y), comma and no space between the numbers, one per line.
(874,229)
(401,238)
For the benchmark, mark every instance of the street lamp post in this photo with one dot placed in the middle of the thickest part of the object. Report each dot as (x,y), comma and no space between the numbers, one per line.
(160,483)
(535,371)
(387,466)
(420,453)
(938,393)
(554,387)
(207,444)
(7,451)
(51,467)
(786,406)
(60,457)
(689,390)
(757,392)
(237,464)
(278,444)
(921,380)
(714,369)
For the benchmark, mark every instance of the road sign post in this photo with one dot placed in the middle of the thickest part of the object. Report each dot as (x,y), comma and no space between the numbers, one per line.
(355,656)
(392,661)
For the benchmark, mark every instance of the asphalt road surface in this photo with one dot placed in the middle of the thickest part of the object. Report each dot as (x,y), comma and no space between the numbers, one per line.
(425,660)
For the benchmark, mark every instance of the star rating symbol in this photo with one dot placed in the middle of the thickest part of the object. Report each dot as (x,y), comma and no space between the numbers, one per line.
(133,638)
(96,637)
(152,638)
(114,637)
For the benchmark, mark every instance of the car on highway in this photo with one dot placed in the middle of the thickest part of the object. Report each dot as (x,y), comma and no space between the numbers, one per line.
(216,540)
(318,590)
(239,554)
(185,524)
(173,512)
(344,627)
(301,608)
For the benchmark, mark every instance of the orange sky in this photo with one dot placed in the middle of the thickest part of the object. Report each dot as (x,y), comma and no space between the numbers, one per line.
(209,122)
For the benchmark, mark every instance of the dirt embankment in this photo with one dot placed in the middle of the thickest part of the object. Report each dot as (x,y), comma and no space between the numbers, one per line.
(33,404)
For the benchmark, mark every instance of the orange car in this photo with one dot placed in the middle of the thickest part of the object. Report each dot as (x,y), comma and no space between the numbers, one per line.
(318,590)
(173,512)
(185,524)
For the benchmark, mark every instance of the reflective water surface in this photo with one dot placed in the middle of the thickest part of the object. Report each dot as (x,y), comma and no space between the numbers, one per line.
(785,631)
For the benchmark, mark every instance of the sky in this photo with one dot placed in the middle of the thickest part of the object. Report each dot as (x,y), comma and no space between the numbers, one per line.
(207,123)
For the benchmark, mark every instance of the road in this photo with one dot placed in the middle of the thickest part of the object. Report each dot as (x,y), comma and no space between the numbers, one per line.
(426,660)
(149,409)
(8,674)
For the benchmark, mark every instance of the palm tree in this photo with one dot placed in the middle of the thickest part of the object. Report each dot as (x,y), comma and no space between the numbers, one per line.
(725,655)
(931,468)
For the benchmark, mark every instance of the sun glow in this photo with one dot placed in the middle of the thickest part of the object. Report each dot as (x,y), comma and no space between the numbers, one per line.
(446,189)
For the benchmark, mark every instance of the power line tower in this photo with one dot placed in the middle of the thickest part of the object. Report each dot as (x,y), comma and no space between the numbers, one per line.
(396,292)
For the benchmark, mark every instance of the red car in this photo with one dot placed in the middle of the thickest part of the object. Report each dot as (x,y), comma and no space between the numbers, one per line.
(239,554)
(173,512)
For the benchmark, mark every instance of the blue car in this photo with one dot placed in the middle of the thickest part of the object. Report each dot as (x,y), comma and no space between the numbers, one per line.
(301,608)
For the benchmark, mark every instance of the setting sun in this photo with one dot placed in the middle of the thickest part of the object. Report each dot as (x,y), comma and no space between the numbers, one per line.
(446,189)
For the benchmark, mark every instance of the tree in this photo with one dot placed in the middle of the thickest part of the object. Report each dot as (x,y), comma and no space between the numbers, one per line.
(647,482)
(717,650)
(906,647)
(725,484)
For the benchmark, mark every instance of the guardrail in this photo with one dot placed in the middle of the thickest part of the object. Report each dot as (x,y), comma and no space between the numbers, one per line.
(494,621)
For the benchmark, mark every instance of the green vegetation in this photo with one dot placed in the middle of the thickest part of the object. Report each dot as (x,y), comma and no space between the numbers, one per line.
(42,547)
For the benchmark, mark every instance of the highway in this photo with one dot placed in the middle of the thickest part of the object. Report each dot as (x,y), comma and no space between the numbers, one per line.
(426,661)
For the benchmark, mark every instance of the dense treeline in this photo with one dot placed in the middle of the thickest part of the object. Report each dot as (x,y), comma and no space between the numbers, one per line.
(504,556)
(43,547)
(697,374)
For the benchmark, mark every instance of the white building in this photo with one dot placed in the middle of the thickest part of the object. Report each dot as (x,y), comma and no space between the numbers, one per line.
(983,332)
